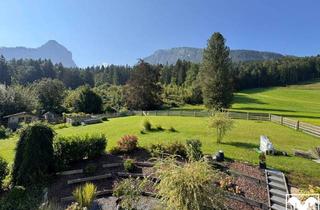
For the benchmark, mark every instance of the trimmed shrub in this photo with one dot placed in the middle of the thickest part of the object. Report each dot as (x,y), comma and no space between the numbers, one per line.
(161,150)
(193,150)
(34,160)
(68,150)
(128,143)
(3,170)
(84,195)
(147,126)
(317,152)
(128,165)
(157,150)
(176,148)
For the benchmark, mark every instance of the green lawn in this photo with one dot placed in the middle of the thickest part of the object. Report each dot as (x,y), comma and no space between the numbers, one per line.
(296,101)
(239,143)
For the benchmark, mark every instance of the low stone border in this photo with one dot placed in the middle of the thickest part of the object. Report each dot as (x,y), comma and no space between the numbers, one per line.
(92,178)
(144,164)
(70,172)
(112,165)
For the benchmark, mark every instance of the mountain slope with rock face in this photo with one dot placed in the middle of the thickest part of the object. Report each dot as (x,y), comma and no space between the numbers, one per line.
(52,50)
(170,56)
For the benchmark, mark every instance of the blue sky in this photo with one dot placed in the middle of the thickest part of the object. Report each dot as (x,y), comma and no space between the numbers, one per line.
(121,31)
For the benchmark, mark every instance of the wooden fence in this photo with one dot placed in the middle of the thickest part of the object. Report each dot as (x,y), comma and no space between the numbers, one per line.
(295,124)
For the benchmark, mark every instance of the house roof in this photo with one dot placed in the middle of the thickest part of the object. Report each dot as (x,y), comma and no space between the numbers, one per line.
(17,114)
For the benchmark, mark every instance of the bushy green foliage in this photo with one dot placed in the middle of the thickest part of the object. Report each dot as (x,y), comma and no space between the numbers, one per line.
(146,124)
(143,90)
(128,165)
(84,195)
(130,191)
(50,94)
(4,132)
(193,149)
(112,97)
(188,186)
(20,198)
(83,99)
(222,123)
(176,148)
(75,148)
(128,143)
(14,99)
(34,159)
(162,150)
(3,170)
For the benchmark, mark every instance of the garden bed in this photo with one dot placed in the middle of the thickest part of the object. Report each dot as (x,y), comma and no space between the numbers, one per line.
(61,191)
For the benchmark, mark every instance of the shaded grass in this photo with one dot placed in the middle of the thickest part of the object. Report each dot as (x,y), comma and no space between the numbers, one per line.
(239,144)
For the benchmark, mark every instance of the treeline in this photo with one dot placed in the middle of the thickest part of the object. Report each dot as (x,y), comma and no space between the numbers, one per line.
(256,74)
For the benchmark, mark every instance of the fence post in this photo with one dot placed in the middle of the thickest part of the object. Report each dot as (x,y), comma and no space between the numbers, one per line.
(269,117)
(168,112)
(297,125)
(248,116)
(194,113)
(156,113)
(281,120)
(180,112)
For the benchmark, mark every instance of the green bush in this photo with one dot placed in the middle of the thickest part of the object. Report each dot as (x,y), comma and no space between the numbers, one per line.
(147,126)
(161,150)
(3,170)
(34,159)
(68,150)
(128,143)
(104,118)
(176,148)
(4,132)
(157,150)
(193,149)
(128,165)
(20,198)
(159,128)
(84,195)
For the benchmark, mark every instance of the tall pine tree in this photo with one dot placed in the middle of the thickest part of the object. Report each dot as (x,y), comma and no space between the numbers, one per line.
(215,74)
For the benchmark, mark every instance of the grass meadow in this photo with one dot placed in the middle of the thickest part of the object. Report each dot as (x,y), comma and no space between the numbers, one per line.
(239,144)
(301,102)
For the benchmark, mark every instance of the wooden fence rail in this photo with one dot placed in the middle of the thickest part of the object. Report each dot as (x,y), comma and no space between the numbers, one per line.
(294,124)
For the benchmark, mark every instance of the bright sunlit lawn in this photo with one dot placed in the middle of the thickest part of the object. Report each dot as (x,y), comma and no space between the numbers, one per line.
(239,144)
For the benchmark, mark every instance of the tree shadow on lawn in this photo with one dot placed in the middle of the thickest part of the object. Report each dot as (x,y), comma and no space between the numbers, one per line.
(242,144)
(243,99)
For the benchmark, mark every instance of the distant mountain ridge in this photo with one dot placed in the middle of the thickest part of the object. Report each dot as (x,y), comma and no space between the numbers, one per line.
(52,50)
(170,56)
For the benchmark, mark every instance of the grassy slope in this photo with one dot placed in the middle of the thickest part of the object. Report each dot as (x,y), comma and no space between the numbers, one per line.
(296,101)
(239,143)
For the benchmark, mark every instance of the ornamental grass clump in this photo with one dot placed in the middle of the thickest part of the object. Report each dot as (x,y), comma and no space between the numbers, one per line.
(193,149)
(128,143)
(189,186)
(84,195)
